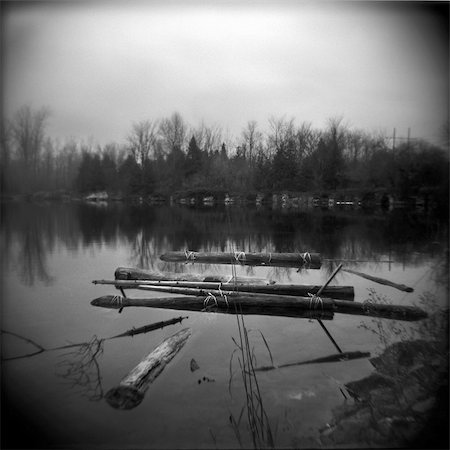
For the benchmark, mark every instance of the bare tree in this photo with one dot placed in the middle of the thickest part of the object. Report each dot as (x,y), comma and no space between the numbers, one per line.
(213,138)
(282,131)
(142,140)
(28,132)
(173,132)
(252,138)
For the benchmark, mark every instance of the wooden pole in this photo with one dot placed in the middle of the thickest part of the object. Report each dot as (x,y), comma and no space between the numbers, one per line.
(131,390)
(130,273)
(338,268)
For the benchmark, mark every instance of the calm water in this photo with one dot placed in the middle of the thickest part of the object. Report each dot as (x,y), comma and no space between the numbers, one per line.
(52,252)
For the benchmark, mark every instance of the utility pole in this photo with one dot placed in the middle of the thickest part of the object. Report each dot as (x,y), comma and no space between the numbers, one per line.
(409,134)
(393,141)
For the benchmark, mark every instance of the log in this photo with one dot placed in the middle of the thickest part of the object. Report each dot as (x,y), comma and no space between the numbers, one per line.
(262,304)
(386,311)
(338,357)
(196,303)
(130,273)
(400,287)
(339,292)
(131,389)
(304,260)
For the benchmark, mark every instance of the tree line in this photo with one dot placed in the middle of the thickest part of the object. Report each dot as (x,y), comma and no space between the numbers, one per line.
(169,156)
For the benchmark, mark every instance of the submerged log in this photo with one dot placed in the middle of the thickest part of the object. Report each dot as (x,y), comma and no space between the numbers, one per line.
(400,287)
(301,260)
(262,304)
(386,311)
(246,306)
(339,292)
(338,357)
(131,390)
(151,327)
(130,273)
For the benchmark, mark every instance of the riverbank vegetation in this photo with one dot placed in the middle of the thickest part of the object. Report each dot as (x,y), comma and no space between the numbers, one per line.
(169,156)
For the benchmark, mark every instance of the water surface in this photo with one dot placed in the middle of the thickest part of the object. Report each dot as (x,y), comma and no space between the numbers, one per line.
(52,252)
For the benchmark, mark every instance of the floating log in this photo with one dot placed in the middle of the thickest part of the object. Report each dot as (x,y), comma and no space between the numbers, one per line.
(130,273)
(131,390)
(304,260)
(244,306)
(339,292)
(400,287)
(344,356)
(264,304)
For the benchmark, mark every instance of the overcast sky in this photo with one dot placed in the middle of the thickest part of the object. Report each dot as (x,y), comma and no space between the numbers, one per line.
(99,66)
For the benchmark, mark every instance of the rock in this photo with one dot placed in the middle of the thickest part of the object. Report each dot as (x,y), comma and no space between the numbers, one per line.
(361,389)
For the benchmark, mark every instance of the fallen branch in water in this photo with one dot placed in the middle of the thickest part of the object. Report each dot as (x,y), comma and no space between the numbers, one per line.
(131,332)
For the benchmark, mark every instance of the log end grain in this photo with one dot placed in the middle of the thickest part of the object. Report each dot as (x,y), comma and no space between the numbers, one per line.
(124,397)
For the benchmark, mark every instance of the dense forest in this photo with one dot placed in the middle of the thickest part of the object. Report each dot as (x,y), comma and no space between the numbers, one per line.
(169,156)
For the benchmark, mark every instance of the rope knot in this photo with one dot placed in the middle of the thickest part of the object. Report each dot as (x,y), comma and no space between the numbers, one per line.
(306,257)
(190,256)
(315,302)
(239,256)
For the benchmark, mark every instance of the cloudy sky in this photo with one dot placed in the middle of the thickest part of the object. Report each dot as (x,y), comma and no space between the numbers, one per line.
(99,66)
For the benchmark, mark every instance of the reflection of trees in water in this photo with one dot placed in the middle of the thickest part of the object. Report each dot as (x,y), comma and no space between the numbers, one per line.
(30,234)
(150,231)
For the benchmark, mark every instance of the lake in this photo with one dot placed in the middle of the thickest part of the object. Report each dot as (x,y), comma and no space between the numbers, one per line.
(51,253)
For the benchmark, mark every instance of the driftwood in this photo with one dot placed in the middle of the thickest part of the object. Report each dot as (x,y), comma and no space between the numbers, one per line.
(400,287)
(131,390)
(300,260)
(245,306)
(344,356)
(339,292)
(130,273)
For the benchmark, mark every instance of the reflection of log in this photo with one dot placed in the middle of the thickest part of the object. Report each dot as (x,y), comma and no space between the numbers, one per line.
(130,273)
(131,389)
(344,356)
(340,292)
(400,287)
(291,308)
(264,304)
(304,260)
